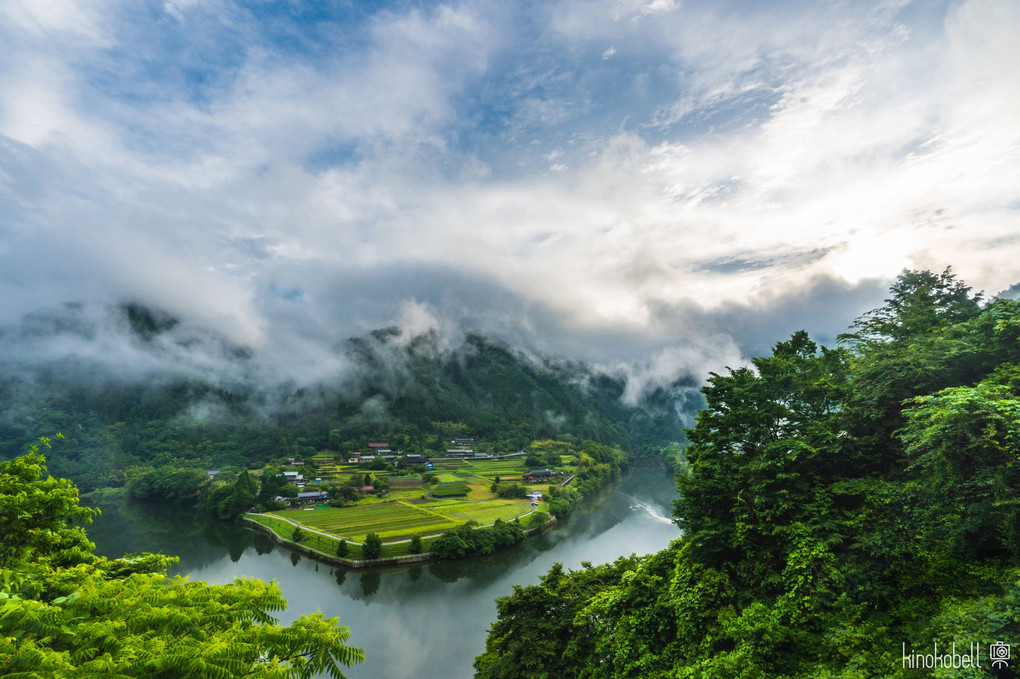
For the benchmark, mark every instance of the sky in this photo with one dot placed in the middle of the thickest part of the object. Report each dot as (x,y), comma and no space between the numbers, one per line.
(663,186)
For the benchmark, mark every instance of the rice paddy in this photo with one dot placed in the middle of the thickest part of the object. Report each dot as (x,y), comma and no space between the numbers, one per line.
(409,508)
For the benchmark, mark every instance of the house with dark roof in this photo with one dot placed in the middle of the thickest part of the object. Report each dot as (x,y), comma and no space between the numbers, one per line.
(537,475)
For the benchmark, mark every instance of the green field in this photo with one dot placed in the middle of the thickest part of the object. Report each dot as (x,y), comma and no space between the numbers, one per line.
(400,514)
(326,545)
(485,513)
(394,520)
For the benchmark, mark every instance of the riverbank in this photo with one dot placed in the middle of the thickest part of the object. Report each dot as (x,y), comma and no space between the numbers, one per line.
(415,620)
(258,522)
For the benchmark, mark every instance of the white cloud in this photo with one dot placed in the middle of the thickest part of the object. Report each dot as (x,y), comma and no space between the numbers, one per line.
(828,143)
(78,19)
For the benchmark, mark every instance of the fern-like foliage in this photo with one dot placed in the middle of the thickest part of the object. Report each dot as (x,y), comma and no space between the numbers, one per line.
(66,612)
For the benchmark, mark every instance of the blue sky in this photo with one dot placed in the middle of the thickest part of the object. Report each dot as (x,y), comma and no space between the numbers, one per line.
(662,184)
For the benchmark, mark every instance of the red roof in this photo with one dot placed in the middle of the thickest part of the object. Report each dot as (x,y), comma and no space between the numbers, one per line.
(378,445)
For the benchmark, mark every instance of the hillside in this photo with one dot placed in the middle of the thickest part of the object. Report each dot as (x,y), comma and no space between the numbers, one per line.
(845,510)
(142,390)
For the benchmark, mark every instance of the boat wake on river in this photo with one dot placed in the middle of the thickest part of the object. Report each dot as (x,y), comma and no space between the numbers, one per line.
(653,512)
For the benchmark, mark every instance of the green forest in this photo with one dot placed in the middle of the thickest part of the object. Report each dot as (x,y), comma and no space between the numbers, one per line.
(842,508)
(412,395)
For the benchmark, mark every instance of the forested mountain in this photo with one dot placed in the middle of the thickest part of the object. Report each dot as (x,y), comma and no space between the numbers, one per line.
(845,509)
(212,408)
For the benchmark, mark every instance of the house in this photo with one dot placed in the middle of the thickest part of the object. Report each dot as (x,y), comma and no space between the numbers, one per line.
(367,490)
(460,452)
(212,473)
(537,475)
(310,496)
(413,459)
(378,446)
(367,458)
(534,496)
(293,477)
(463,442)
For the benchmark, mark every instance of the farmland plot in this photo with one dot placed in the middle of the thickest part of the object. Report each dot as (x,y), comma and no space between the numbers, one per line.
(389,519)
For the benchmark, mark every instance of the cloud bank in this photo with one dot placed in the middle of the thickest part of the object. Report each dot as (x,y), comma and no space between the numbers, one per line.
(659,187)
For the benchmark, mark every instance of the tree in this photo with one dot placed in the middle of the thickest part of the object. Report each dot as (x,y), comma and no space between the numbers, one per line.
(240,498)
(415,546)
(833,502)
(66,612)
(372,547)
(920,302)
(298,535)
(342,548)
(535,623)
(450,545)
(963,443)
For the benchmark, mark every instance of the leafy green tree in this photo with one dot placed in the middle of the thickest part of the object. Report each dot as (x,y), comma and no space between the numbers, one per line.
(921,301)
(533,627)
(834,502)
(415,546)
(450,545)
(964,442)
(272,483)
(297,535)
(342,548)
(240,498)
(170,484)
(372,547)
(66,612)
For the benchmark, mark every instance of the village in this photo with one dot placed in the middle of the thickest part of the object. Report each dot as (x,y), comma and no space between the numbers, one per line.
(406,500)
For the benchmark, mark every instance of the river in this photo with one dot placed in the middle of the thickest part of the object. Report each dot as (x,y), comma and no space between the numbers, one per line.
(418,622)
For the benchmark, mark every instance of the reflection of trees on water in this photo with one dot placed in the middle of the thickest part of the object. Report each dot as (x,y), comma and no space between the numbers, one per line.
(341,576)
(231,537)
(295,558)
(128,527)
(370,582)
(263,545)
(476,567)
(414,572)
(200,540)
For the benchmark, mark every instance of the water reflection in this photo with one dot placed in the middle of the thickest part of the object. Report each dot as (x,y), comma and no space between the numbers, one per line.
(423,621)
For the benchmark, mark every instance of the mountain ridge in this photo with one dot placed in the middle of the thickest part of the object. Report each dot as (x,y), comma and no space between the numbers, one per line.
(158,405)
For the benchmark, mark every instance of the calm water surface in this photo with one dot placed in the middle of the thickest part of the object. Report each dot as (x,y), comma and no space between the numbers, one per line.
(419,622)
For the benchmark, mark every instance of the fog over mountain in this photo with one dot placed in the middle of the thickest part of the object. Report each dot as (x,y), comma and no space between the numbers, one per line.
(657,188)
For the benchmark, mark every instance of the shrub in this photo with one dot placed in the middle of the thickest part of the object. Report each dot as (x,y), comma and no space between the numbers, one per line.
(539,518)
(450,545)
(511,490)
